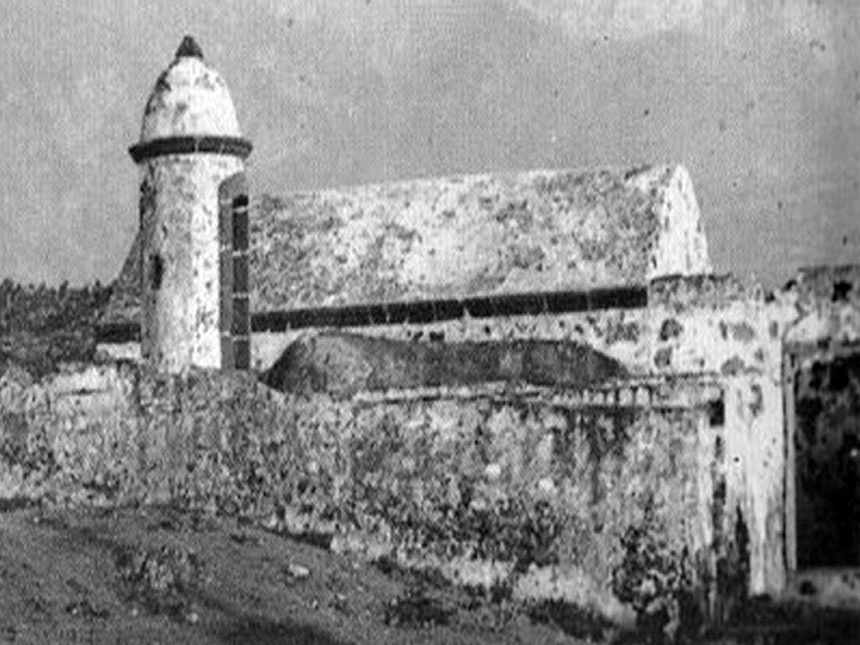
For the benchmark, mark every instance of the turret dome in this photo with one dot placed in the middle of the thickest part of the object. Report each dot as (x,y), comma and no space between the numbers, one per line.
(190,100)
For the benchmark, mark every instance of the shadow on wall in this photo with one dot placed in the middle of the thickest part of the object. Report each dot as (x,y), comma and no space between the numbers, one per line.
(348,363)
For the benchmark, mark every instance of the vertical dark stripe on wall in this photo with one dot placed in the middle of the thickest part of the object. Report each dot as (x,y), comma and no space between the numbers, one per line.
(227,359)
(240,223)
(241,327)
(233,233)
(225,268)
(225,221)
(225,273)
(242,353)
(241,320)
(240,274)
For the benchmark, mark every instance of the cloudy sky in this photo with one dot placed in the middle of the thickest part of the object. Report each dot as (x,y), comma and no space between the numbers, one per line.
(760,99)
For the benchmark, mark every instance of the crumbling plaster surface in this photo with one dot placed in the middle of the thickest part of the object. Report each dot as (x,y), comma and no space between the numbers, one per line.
(745,336)
(827,305)
(707,325)
(476,235)
(181,283)
(693,325)
(712,327)
(358,461)
(700,325)
(178,269)
(735,332)
(464,236)
(189,98)
(530,492)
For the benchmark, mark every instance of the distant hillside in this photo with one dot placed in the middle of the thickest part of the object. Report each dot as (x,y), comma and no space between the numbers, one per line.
(42,326)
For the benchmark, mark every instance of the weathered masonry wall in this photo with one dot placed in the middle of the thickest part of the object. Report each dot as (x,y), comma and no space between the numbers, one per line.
(703,325)
(697,412)
(609,321)
(733,331)
(727,327)
(545,493)
(506,234)
(189,146)
(180,258)
(713,327)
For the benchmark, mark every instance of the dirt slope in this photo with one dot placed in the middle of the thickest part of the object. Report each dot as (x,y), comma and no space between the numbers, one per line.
(159,576)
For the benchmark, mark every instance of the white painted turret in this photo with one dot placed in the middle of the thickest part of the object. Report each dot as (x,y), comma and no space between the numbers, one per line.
(192,177)
(189,98)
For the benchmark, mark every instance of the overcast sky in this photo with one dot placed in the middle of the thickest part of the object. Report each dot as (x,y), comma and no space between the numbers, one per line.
(760,99)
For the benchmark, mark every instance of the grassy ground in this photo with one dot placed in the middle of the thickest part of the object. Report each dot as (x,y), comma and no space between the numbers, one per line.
(155,575)
(158,575)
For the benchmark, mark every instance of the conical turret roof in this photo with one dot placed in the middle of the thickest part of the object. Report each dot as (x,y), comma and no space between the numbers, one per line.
(189,99)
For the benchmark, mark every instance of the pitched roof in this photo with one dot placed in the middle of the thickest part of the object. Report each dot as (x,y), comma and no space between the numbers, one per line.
(462,237)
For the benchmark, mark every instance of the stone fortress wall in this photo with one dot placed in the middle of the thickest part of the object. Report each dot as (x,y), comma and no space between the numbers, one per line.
(545,488)
(529,490)
(530,382)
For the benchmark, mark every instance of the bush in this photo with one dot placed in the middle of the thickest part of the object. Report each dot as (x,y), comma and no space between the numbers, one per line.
(42,326)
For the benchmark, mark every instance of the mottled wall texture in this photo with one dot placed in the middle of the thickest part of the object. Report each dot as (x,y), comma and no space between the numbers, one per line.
(551,451)
(180,277)
(540,493)
(567,422)
(454,238)
(529,382)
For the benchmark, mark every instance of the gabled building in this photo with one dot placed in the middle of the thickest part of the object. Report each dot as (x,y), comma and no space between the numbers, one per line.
(725,415)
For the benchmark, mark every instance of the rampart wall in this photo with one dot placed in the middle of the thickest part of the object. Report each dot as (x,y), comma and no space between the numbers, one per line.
(547,490)
(542,493)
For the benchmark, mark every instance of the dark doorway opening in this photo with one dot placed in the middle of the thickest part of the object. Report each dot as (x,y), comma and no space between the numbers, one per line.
(826,443)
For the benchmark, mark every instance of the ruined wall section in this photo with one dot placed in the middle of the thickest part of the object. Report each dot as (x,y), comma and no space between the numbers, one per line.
(692,325)
(702,327)
(735,331)
(547,494)
(61,436)
(758,344)
(827,302)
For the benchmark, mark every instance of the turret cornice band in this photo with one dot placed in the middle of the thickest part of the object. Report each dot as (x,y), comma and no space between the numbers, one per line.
(235,146)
